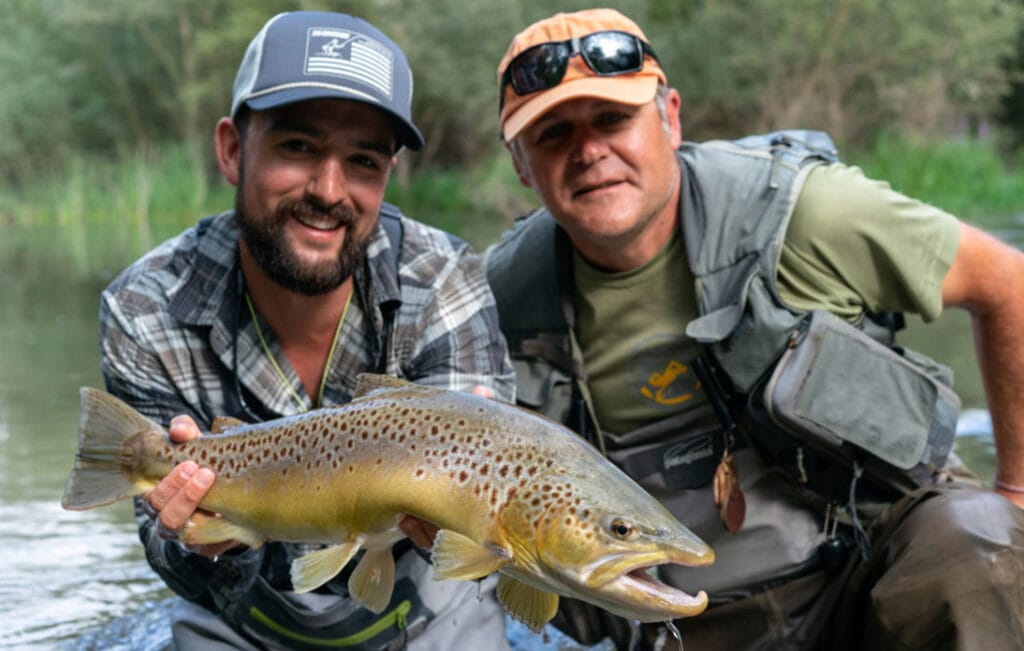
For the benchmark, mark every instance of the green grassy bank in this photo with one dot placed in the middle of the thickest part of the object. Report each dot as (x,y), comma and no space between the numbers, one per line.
(142,199)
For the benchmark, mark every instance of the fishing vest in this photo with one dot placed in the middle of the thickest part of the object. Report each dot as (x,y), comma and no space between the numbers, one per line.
(794,384)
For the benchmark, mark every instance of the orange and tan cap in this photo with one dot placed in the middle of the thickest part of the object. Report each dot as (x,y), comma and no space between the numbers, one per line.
(636,88)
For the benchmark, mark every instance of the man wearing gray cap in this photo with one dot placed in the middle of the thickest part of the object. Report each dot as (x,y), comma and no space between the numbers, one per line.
(274,307)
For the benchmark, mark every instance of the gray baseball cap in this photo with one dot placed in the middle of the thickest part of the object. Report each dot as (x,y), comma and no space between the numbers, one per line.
(310,55)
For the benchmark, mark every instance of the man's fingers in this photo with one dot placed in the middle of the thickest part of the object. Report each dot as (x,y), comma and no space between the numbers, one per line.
(171,485)
(481,390)
(421,532)
(183,428)
(180,508)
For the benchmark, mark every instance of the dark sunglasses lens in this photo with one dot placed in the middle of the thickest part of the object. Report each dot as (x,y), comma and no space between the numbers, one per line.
(539,68)
(609,53)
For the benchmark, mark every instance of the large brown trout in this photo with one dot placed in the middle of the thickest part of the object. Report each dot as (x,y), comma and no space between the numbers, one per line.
(511,491)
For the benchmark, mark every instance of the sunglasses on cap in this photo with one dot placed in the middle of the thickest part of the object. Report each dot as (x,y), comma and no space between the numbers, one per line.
(543,66)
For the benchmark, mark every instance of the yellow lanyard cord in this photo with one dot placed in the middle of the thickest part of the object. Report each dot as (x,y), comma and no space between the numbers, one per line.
(273,360)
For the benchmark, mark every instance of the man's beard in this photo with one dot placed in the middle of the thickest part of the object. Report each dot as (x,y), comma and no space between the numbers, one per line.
(267,242)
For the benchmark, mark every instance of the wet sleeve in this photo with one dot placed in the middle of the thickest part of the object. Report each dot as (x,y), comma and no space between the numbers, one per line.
(132,372)
(855,244)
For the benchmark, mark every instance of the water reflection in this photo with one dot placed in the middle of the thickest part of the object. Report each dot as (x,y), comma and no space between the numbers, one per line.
(79,580)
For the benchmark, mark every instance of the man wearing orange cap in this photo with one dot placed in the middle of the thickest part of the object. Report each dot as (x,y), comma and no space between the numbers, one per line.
(718,319)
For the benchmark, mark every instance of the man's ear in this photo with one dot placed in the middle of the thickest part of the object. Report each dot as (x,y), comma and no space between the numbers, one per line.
(524,178)
(675,128)
(228,143)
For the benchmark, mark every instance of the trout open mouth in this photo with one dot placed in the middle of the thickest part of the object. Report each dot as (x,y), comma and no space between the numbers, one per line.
(634,591)
(640,579)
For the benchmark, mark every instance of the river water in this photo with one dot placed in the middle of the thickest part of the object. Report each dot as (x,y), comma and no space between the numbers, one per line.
(79,580)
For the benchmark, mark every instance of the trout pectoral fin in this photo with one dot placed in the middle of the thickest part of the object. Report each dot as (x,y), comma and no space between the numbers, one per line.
(373,579)
(531,606)
(203,529)
(311,571)
(457,557)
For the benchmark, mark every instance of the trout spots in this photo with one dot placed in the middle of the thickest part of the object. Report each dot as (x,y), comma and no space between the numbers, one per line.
(463,476)
(420,473)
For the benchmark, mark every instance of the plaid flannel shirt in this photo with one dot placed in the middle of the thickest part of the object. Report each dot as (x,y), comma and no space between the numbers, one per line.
(177,338)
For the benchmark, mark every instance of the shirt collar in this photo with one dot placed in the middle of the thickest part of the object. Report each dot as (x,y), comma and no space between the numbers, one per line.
(209,295)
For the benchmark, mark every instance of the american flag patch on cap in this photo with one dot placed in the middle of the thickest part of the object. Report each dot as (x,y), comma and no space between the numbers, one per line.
(349,55)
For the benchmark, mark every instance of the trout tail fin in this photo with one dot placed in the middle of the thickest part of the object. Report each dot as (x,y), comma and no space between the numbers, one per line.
(100,475)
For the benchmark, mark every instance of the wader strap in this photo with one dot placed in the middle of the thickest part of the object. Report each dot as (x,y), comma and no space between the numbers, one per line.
(583,384)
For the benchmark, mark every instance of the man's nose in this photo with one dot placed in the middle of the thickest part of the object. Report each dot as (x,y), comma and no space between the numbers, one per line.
(590,146)
(327,183)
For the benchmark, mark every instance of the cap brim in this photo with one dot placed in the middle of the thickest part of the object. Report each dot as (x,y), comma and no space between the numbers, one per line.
(407,133)
(632,89)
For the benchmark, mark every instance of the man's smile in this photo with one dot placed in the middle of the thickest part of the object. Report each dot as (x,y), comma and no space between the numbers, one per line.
(595,187)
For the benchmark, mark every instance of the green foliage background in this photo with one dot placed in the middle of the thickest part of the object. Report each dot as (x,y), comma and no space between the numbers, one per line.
(122,95)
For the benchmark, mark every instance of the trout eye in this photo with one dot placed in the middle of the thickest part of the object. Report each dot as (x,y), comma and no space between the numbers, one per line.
(622,529)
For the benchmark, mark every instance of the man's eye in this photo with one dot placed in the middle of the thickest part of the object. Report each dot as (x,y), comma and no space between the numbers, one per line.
(612,117)
(296,146)
(554,132)
(366,161)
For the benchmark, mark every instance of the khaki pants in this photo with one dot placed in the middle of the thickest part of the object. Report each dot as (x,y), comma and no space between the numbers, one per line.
(946,571)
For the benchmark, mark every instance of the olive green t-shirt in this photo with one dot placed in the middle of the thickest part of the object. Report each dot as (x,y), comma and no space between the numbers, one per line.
(852,245)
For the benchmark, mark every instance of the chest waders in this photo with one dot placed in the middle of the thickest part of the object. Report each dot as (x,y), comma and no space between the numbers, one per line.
(848,420)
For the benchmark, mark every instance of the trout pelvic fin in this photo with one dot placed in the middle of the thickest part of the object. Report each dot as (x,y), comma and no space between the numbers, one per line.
(373,580)
(101,465)
(457,557)
(311,571)
(531,606)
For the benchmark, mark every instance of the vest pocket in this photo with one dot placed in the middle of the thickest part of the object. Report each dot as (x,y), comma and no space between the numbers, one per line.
(835,388)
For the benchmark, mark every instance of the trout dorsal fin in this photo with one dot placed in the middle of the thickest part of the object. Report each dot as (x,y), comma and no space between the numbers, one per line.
(222,424)
(367,382)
